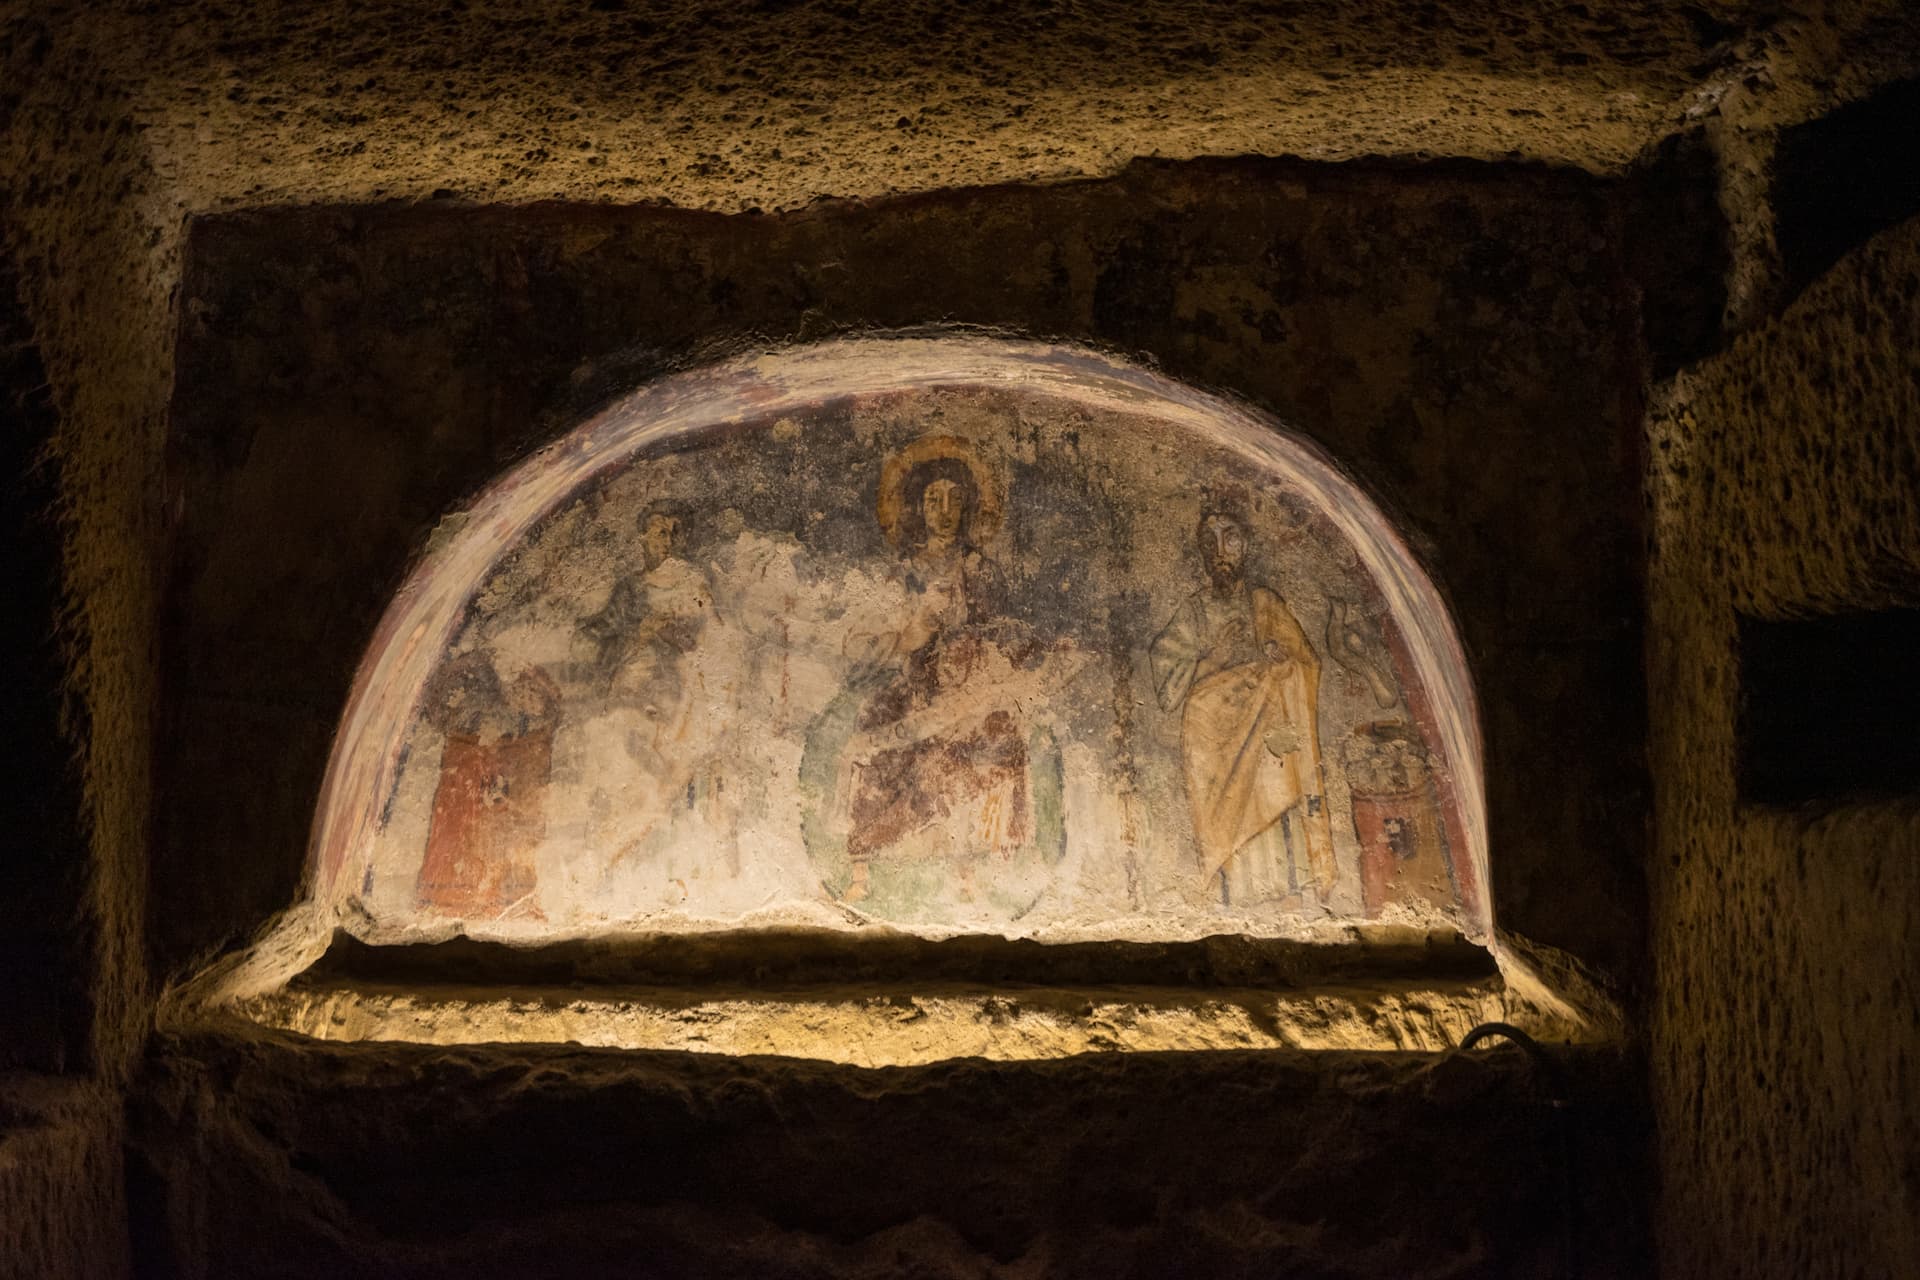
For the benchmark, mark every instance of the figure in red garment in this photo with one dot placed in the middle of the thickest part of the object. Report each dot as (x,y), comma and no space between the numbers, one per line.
(1397,817)
(489,808)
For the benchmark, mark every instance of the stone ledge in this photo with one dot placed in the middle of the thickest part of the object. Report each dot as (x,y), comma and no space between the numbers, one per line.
(875,1025)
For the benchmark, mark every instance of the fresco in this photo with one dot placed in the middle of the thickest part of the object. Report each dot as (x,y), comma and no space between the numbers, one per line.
(943,656)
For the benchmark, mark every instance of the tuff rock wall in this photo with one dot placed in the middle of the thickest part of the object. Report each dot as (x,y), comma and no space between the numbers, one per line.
(343,377)
(1778,1058)
(349,377)
(1784,1033)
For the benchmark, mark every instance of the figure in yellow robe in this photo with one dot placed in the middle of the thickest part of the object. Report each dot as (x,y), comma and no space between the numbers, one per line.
(1236,664)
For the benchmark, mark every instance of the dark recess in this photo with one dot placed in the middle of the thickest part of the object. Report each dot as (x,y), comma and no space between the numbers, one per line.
(44,1008)
(1841,179)
(1676,244)
(1829,708)
(769,959)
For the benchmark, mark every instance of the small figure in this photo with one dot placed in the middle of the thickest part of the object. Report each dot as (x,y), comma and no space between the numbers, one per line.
(652,618)
(1396,814)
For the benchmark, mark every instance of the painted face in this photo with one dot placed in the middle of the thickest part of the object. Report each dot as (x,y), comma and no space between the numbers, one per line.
(1223,548)
(944,504)
(656,539)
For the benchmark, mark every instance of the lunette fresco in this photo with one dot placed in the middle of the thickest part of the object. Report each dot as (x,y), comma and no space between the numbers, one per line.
(953,658)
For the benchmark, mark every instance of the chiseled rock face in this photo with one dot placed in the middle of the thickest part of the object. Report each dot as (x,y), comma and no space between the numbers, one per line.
(769,106)
(62,1189)
(281,1158)
(1785,482)
(1500,380)
(903,1024)
(1455,336)
(952,634)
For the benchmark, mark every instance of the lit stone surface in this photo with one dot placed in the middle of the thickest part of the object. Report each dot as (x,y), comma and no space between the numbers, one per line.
(63,1203)
(890,1028)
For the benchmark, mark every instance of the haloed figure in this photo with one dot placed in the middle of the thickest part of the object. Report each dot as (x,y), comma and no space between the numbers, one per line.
(938,767)
(1236,664)
(954,582)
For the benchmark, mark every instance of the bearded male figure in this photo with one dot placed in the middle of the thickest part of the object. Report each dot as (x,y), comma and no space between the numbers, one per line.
(1235,662)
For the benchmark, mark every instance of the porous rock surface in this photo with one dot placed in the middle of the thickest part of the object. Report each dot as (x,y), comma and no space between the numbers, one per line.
(123,122)
(765,106)
(119,124)
(1785,1038)
(557,1162)
(62,1195)
(1463,339)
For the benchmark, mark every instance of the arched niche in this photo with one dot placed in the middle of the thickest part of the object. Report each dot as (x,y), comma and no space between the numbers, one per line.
(949,635)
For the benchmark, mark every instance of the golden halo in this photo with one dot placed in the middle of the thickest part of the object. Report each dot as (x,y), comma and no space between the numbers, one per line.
(888,504)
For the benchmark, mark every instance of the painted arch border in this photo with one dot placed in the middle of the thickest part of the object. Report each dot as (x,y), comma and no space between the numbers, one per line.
(425,615)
